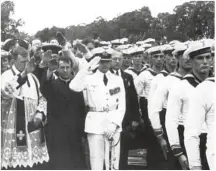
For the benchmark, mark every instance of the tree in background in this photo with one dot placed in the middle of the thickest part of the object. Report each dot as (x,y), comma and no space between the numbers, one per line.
(9,26)
(47,34)
(191,20)
(195,19)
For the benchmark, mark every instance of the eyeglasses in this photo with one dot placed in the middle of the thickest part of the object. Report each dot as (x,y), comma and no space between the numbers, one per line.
(12,42)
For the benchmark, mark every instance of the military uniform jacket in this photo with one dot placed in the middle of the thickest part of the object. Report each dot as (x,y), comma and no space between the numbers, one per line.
(106,103)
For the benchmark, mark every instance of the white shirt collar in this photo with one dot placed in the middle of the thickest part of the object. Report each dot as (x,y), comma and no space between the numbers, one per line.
(68,80)
(100,74)
(119,72)
(15,69)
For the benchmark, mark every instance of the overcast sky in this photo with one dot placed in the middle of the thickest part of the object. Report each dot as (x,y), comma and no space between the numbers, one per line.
(38,14)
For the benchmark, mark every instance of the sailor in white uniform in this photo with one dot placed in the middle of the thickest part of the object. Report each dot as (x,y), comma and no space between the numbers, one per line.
(137,56)
(202,106)
(177,105)
(159,100)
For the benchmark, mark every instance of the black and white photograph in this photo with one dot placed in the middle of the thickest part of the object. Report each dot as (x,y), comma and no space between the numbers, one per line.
(107,85)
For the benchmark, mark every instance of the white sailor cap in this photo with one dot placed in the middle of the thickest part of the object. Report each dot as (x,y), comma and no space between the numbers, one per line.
(97,50)
(135,50)
(179,49)
(126,52)
(187,43)
(174,42)
(197,48)
(154,50)
(149,40)
(104,43)
(167,49)
(124,40)
(116,42)
(36,42)
(122,47)
(140,43)
(208,42)
(146,45)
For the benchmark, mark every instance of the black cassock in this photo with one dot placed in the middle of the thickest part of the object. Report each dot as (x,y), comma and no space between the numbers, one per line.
(65,127)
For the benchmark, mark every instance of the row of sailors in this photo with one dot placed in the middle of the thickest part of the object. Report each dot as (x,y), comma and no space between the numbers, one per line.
(165,86)
(168,104)
(160,77)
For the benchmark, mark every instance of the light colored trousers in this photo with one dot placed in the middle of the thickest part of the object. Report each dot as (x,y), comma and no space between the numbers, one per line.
(99,147)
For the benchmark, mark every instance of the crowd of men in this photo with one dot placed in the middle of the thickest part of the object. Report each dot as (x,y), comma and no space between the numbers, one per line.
(88,104)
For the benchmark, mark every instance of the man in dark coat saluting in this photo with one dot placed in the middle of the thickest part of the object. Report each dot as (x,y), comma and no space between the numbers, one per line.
(65,110)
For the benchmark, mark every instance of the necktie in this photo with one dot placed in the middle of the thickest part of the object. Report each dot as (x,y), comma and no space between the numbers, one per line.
(117,73)
(105,80)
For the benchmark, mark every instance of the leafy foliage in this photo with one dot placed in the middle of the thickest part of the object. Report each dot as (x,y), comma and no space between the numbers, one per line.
(191,20)
(9,26)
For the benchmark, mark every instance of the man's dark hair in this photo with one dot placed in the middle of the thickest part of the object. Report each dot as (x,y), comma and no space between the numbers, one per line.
(65,59)
(19,51)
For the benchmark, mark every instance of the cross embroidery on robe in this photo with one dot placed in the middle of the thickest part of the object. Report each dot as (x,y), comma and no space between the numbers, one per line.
(20,135)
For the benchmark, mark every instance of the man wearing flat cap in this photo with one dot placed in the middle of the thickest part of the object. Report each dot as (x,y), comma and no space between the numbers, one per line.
(106,103)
